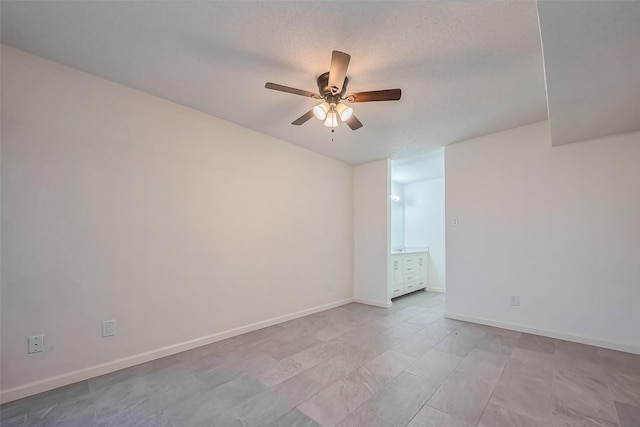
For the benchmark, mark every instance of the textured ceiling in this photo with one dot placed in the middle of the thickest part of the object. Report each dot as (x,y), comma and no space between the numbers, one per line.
(465,68)
(592,65)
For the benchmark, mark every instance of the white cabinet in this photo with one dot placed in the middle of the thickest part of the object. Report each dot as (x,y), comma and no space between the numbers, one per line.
(421,261)
(408,273)
(397,269)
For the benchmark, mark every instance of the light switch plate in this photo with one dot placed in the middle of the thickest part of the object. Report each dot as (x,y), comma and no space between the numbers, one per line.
(109,328)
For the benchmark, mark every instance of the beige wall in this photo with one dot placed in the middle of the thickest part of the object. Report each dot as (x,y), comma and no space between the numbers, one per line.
(371,183)
(118,204)
(558,226)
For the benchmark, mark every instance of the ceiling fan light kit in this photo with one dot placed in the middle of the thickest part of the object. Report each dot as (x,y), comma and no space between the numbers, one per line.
(332,87)
(320,111)
(332,120)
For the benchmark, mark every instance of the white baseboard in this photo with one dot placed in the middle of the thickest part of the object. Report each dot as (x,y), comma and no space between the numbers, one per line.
(93,371)
(546,333)
(382,304)
(430,289)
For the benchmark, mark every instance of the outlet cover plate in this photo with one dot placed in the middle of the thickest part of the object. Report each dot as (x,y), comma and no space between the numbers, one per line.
(35,344)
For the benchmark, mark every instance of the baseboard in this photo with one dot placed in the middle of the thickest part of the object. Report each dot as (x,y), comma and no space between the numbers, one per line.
(430,289)
(382,304)
(126,362)
(546,333)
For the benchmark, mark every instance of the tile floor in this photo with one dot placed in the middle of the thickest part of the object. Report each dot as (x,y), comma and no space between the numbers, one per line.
(357,365)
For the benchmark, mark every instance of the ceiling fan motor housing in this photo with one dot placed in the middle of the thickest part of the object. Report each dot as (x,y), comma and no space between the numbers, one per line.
(325,89)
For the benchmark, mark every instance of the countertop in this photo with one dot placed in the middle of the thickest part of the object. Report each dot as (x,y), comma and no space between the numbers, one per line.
(409,250)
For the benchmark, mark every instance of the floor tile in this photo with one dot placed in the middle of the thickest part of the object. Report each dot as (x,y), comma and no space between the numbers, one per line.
(402,330)
(389,365)
(289,348)
(229,395)
(625,388)
(497,343)
(462,396)
(628,415)
(14,421)
(320,353)
(573,393)
(531,363)
(457,343)
(400,400)
(619,362)
(364,417)
(424,319)
(355,365)
(284,370)
(263,408)
(577,350)
(337,367)
(504,332)
(439,328)
(571,418)
(523,394)
(537,343)
(342,397)
(430,417)
(293,418)
(495,416)
(483,364)
(44,400)
(417,344)
(435,365)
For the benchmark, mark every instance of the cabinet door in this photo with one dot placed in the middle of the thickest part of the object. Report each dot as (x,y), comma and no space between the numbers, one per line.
(421,265)
(396,290)
(398,272)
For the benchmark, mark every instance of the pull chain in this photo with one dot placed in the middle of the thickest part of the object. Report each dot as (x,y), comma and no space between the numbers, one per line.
(332,131)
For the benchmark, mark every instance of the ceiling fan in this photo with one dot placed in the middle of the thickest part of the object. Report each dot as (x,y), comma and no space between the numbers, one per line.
(332,87)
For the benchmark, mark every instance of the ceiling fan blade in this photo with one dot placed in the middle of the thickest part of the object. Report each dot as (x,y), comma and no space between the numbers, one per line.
(293,90)
(302,119)
(353,122)
(375,95)
(338,70)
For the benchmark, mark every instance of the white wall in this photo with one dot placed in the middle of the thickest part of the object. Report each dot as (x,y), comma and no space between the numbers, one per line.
(556,225)
(396,212)
(424,225)
(371,232)
(118,204)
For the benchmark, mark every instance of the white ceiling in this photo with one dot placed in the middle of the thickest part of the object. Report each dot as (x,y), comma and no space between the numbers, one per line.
(592,66)
(465,69)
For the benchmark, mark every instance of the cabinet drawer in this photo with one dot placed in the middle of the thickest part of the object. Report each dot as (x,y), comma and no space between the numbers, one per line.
(409,268)
(410,287)
(421,284)
(410,260)
(396,290)
(409,278)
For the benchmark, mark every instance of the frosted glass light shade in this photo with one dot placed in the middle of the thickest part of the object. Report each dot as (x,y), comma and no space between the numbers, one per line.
(332,119)
(320,111)
(344,111)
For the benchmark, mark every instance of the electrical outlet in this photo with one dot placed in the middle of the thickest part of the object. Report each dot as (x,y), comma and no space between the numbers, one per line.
(36,344)
(454,222)
(515,300)
(109,328)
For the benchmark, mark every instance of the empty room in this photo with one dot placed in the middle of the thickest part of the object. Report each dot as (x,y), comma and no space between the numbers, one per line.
(312,213)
